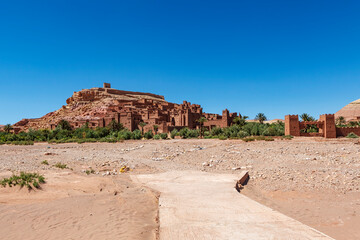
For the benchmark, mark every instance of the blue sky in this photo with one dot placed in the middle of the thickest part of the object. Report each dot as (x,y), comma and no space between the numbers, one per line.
(275,57)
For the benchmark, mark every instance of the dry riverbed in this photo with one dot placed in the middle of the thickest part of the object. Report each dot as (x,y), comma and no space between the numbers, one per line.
(312,180)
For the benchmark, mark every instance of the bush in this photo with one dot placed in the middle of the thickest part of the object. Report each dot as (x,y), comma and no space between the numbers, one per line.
(80,141)
(174,133)
(222,137)
(242,134)
(287,137)
(149,135)
(60,165)
(352,135)
(259,138)
(193,133)
(270,131)
(157,137)
(45,162)
(125,135)
(184,132)
(216,131)
(90,171)
(22,143)
(248,139)
(136,134)
(268,139)
(30,180)
(108,140)
(163,136)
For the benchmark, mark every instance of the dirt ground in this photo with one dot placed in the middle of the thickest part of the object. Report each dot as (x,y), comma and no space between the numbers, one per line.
(313,180)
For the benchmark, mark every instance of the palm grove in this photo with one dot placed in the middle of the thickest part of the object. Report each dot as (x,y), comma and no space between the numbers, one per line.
(240,128)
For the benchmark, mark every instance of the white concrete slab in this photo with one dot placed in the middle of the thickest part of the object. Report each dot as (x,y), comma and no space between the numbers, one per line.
(199,205)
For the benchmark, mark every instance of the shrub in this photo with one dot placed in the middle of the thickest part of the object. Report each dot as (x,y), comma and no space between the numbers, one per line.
(30,180)
(163,136)
(255,130)
(45,162)
(352,135)
(157,137)
(115,126)
(149,134)
(184,132)
(222,137)
(60,165)
(270,131)
(84,140)
(22,143)
(248,139)
(193,133)
(108,140)
(90,171)
(174,133)
(136,134)
(287,137)
(259,138)
(125,134)
(242,134)
(215,131)
(268,139)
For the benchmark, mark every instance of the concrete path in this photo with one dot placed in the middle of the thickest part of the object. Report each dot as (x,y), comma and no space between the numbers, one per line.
(199,205)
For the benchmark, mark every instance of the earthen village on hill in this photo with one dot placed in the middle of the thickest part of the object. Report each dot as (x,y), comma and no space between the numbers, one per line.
(99,106)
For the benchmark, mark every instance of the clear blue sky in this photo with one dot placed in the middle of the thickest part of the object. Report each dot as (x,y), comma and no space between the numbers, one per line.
(276,57)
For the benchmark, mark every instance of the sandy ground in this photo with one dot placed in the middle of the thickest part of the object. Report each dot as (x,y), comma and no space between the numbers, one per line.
(70,206)
(312,180)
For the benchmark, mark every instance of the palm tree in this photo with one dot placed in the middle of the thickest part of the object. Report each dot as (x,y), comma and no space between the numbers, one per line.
(64,125)
(8,128)
(156,127)
(115,126)
(306,118)
(261,117)
(201,120)
(240,120)
(142,125)
(340,120)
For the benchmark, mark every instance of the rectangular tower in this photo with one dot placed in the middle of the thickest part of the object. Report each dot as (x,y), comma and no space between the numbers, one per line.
(292,126)
(329,128)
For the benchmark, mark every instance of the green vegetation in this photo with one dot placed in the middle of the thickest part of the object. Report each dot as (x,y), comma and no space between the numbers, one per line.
(307,118)
(201,122)
(142,125)
(45,162)
(149,134)
(163,136)
(174,133)
(156,127)
(340,121)
(8,128)
(352,135)
(91,171)
(248,139)
(30,180)
(311,127)
(261,117)
(287,137)
(115,126)
(60,165)
(115,132)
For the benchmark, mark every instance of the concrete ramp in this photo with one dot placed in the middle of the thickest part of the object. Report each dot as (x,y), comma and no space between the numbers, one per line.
(204,206)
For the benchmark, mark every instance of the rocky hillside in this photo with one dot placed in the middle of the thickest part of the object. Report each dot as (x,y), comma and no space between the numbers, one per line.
(85,105)
(350,112)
